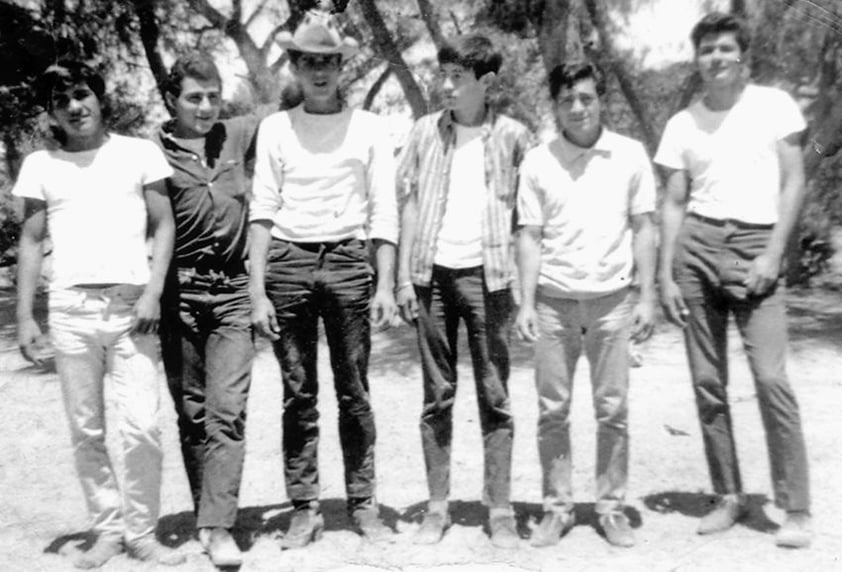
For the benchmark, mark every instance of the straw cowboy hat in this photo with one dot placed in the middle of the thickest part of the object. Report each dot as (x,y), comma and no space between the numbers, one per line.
(318,34)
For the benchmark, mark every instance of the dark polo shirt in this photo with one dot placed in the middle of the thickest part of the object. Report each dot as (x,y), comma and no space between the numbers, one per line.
(210,198)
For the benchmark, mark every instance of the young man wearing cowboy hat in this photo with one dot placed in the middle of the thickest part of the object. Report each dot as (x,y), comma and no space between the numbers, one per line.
(323,187)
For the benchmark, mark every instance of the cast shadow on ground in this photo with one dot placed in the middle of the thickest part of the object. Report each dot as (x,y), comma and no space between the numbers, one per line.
(264,521)
(697,505)
(81,540)
(271,521)
(527,515)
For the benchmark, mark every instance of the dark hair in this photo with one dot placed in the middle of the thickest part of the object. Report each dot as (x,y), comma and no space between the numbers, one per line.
(570,73)
(63,75)
(197,65)
(474,52)
(718,23)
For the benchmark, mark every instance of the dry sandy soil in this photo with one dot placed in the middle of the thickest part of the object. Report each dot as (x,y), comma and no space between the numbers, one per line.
(42,513)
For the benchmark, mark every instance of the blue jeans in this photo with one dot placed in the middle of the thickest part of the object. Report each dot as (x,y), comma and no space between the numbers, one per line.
(332,281)
(207,347)
(711,265)
(601,326)
(452,296)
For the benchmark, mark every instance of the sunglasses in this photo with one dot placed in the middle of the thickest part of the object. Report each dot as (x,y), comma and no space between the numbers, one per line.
(330,62)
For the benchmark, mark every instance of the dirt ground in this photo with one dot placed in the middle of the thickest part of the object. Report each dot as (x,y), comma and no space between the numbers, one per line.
(42,513)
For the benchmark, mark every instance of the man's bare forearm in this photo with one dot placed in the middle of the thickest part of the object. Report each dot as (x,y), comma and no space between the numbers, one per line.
(529,262)
(259,239)
(409,217)
(384,254)
(645,257)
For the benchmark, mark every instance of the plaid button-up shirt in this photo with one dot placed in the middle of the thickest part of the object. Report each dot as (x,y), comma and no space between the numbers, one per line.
(424,170)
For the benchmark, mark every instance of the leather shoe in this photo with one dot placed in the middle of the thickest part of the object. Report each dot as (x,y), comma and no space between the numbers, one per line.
(220,547)
(368,523)
(432,528)
(148,549)
(795,532)
(305,527)
(618,531)
(727,512)
(553,526)
(503,531)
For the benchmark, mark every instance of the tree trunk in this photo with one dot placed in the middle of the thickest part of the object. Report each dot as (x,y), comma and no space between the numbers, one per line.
(551,26)
(149,34)
(376,87)
(386,48)
(431,19)
(611,61)
(260,75)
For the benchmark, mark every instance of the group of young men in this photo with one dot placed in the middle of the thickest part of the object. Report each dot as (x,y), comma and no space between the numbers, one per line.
(333,228)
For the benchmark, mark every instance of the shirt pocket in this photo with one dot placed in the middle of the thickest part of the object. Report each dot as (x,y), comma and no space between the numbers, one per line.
(230,176)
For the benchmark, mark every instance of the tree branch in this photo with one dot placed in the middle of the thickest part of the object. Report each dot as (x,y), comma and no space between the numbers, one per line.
(610,60)
(431,19)
(551,26)
(385,47)
(258,10)
(376,87)
(149,35)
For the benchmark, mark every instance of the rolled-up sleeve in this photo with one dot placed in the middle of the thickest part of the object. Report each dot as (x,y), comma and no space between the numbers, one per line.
(268,172)
(383,206)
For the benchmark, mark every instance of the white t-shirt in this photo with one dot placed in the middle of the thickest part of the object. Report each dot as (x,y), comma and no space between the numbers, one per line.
(322,178)
(583,200)
(731,156)
(96,212)
(459,242)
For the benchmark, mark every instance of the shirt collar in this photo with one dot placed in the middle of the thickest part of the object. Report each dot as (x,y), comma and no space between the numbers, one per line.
(602,146)
(215,135)
(447,123)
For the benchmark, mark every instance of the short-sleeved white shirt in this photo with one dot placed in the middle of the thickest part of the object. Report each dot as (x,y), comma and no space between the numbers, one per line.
(96,212)
(731,156)
(583,200)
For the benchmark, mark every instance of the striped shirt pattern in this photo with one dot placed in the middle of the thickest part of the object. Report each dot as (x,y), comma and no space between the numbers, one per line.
(424,170)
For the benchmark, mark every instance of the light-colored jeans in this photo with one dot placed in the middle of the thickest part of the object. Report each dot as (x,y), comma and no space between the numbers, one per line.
(90,332)
(600,326)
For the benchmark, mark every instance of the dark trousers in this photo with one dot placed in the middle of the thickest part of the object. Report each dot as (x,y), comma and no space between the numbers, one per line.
(456,295)
(306,281)
(713,262)
(207,348)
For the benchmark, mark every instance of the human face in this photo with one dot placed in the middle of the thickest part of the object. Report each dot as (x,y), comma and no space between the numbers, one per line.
(719,59)
(318,75)
(578,111)
(196,108)
(78,112)
(463,92)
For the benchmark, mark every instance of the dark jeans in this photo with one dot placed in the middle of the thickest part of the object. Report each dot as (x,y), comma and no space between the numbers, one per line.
(456,295)
(710,269)
(207,348)
(333,281)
